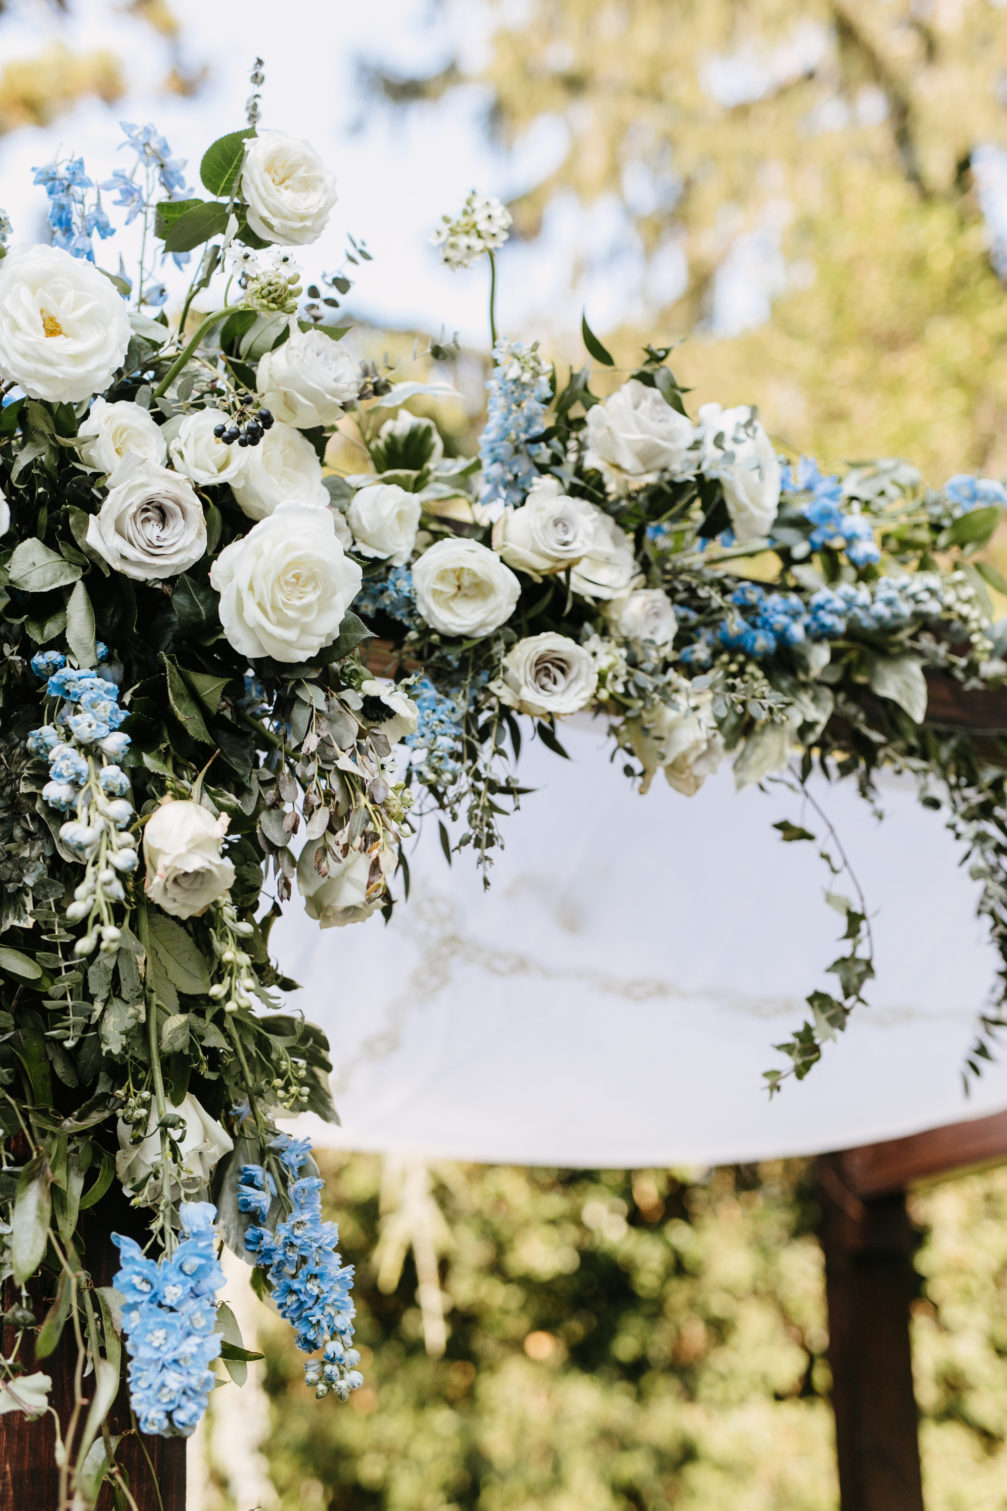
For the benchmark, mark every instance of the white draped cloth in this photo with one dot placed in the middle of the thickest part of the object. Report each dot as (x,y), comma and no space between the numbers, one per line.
(612,1000)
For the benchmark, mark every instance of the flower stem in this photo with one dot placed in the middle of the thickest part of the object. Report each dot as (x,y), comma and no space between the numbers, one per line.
(493,298)
(188,349)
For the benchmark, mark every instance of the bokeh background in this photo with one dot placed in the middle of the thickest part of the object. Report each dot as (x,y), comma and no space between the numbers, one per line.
(811,197)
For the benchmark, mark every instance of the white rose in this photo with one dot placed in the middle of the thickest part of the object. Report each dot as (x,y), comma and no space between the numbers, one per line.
(308,379)
(181,850)
(350,891)
(736,448)
(114,433)
(150,525)
(547,533)
(547,674)
(197,452)
(609,567)
(63,328)
(384,519)
(202,1142)
(462,588)
(684,742)
(388,709)
(287,188)
(635,435)
(285,587)
(645,614)
(283,469)
(4,515)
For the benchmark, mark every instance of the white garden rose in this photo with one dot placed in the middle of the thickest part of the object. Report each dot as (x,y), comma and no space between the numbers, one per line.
(114,433)
(181,850)
(287,188)
(283,469)
(384,519)
(547,674)
(4,515)
(350,891)
(308,380)
(201,1143)
(150,525)
(196,451)
(285,587)
(462,588)
(645,614)
(549,532)
(736,448)
(635,435)
(684,742)
(609,568)
(63,327)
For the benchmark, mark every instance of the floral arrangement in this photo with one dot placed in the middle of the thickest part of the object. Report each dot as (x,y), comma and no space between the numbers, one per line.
(231,671)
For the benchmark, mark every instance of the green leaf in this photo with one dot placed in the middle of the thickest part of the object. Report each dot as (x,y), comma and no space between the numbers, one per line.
(195,605)
(179,954)
(183,703)
(175,1034)
(17,964)
(196,226)
(337,332)
(351,632)
(222,161)
(232,1349)
(988,572)
(208,689)
(55,1319)
(766,750)
(974,528)
(93,1195)
(790,833)
(901,679)
(167,211)
(549,739)
(35,568)
(30,1222)
(594,346)
(445,839)
(80,627)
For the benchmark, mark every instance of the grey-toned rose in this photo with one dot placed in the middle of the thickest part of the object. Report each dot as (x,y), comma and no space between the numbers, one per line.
(547,674)
(150,525)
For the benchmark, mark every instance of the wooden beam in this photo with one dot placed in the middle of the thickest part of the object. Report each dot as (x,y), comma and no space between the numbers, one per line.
(889,1167)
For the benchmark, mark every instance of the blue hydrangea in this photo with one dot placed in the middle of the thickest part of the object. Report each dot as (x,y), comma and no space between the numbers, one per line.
(518,392)
(390,593)
(168,1316)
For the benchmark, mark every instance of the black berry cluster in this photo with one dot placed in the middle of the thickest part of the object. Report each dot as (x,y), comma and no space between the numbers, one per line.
(248,434)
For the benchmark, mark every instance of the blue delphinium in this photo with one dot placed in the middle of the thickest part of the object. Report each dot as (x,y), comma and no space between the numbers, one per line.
(833,525)
(155,175)
(168,1316)
(309,1283)
(390,593)
(438,734)
(518,392)
(968,493)
(75,209)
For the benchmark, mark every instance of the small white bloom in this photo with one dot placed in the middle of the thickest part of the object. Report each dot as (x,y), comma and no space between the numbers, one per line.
(635,436)
(462,588)
(181,850)
(482,226)
(547,674)
(609,568)
(645,614)
(384,519)
(736,449)
(287,188)
(549,532)
(27,1393)
(113,433)
(285,587)
(308,380)
(63,327)
(4,515)
(683,741)
(197,452)
(150,525)
(283,469)
(202,1143)
(350,891)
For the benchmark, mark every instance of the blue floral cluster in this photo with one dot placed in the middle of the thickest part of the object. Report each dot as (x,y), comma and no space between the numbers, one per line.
(392,593)
(74,217)
(439,734)
(968,493)
(168,1316)
(834,525)
(518,391)
(310,1285)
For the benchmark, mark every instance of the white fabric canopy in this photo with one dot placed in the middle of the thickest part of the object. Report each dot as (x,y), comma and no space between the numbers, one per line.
(613,999)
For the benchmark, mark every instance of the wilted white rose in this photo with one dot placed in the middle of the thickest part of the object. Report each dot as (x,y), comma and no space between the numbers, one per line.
(736,448)
(462,588)
(350,891)
(635,435)
(27,1393)
(683,742)
(308,379)
(384,519)
(113,433)
(197,452)
(150,525)
(181,850)
(386,708)
(645,614)
(287,188)
(283,469)
(285,587)
(609,568)
(547,674)
(63,327)
(202,1142)
(4,515)
(549,532)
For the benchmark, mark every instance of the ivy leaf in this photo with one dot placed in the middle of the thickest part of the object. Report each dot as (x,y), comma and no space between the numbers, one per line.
(222,161)
(901,680)
(80,627)
(179,954)
(36,569)
(196,226)
(30,1222)
(598,352)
